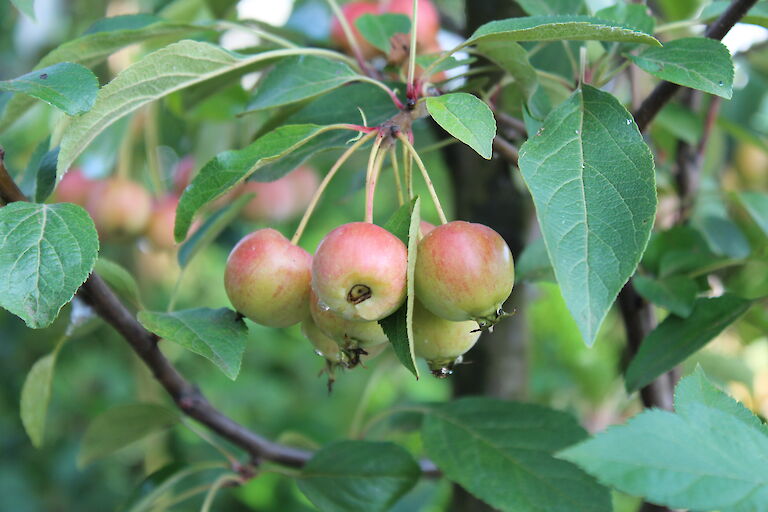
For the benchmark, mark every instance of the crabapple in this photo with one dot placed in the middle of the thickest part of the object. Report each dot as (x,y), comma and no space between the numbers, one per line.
(74,187)
(274,201)
(441,342)
(119,207)
(351,12)
(184,173)
(752,164)
(464,271)
(345,333)
(161,223)
(328,348)
(304,182)
(429,19)
(359,271)
(424,228)
(267,279)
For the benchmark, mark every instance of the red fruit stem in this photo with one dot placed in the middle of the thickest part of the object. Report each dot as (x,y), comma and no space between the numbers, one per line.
(371,190)
(324,184)
(368,177)
(425,175)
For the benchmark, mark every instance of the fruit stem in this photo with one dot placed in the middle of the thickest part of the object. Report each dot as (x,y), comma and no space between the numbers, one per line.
(392,94)
(125,153)
(425,175)
(408,174)
(324,184)
(349,35)
(411,93)
(396,172)
(151,142)
(374,164)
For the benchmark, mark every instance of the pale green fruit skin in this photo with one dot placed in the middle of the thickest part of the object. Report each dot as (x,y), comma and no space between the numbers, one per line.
(329,349)
(441,341)
(360,254)
(267,279)
(346,333)
(464,271)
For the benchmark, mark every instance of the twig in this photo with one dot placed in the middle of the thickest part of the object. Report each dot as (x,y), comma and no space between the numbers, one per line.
(637,313)
(186,395)
(506,149)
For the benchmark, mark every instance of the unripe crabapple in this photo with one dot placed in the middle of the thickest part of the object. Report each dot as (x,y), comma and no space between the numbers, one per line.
(74,187)
(464,271)
(351,12)
(274,201)
(441,342)
(346,333)
(161,223)
(429,19)
(267,279)
(329,349)
(119,207)
(359,271)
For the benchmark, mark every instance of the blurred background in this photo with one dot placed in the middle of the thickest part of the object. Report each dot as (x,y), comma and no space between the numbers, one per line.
(536,356)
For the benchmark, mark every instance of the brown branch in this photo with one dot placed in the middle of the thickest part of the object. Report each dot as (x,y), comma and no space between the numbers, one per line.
(664,92)
(506,149)
(186,395)
(637,313)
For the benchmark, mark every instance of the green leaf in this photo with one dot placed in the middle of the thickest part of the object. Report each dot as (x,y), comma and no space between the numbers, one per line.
(121,426)
(502,452)
(676,293)
(696,62)
(757,15)
(398,326)
(229,168)
(630,15)
(123,22)
(36,394)
(533,263)
(299,78)
(756,204)
(708,456)
(589,159)
(723,236)
(378,29)
(120,280)
(211,229)
(46,252)
(467,118)
(25,6)
(160,483)
(674,339)
(92,48)
(558,28)
(539,8)
(39,179)
(216,334)
(512,58)
(160,73)
(358,475)
(67,86)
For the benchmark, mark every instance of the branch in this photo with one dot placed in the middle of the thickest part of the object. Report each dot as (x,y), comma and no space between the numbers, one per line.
(506,149)
(186,395)
(637,313)
(664,92)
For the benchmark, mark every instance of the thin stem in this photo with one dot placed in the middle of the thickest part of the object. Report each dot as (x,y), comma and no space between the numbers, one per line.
(217,484)
(555,78)
(231,459)
(175,292)
(349,35)
(443,58)
(125,153)
(370,177)
(612,74)
(263,34)
(582,65)
(396,173)
(184,496)
(425,175)
(378,418)
(408,174)
(324,184)
(381,85)
(571,56)
(151,142)
(474,71)
(676,25)
(438,145)
(412,50)
(365,400)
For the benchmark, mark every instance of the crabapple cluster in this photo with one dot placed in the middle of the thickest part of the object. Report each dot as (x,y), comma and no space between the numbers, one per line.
(357,277)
